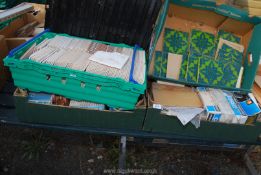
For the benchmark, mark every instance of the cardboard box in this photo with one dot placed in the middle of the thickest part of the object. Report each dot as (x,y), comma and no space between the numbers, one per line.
(205,16)
(62,115)
(157,122)
(9,41)
(6,45)
(10,30)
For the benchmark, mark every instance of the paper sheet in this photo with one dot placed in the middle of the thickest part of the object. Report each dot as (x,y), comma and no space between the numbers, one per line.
(112,59)
(173,66)
(184,114)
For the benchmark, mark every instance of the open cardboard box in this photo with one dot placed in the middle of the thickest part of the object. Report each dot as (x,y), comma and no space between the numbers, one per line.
(9,41)
(185,19)
(63,115)
(207,17)
(157,122)
(10,30)
(6,45)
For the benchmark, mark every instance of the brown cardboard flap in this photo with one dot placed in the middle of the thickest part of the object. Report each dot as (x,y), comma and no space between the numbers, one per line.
(248,3)
(39,17)
(245,41)
(175,96)
(257,93)
(259,70)
(236,27)
(258,80)
(10,30)
(14,42)
(201,16)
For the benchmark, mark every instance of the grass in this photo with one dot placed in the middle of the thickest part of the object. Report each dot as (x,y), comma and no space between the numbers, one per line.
(32,149)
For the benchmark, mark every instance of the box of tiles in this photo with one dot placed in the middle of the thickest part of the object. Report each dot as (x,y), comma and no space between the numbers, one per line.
(218,45)
(200,44)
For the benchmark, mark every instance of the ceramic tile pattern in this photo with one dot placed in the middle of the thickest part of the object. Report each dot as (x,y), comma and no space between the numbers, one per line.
(192,69)
(175,41)
(157,63)
(227,55)
(202,43)
(160,65)
(231,62)
(198,62)
(228,36)
(183,69)
(210,71)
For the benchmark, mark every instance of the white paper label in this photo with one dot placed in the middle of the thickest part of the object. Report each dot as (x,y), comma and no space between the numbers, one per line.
(112,59)
(157,106)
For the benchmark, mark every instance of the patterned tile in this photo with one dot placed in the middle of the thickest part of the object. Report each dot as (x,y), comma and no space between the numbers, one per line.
(175,41)
(164,63)
(202,43)
(228,54)
(228,36)
(210,71)
(160,64)
(184,67)
(231,72)
(198,63)
(157,63)
(231,62)
(192,68)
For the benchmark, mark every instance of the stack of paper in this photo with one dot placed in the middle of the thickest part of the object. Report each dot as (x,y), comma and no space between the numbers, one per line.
(86,105)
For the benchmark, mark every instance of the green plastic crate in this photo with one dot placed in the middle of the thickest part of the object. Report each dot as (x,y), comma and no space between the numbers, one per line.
(28,74)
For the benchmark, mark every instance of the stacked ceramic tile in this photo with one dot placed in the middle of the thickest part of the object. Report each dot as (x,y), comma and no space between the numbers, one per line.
(200,57)
(75,53)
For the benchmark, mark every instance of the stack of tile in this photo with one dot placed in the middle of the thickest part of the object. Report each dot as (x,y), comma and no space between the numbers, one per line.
(206,58)
(75,53)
